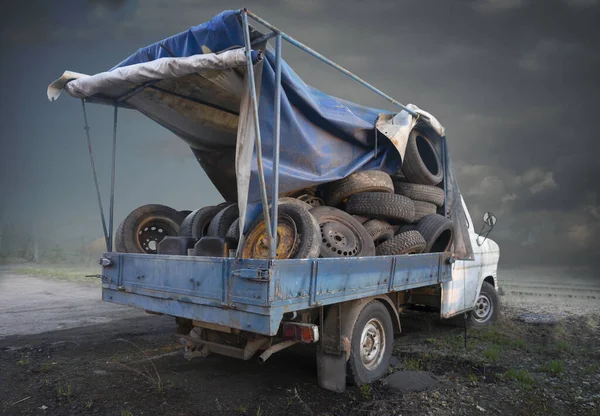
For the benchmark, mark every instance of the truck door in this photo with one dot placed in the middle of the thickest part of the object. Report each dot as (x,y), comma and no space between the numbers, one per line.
(459,294)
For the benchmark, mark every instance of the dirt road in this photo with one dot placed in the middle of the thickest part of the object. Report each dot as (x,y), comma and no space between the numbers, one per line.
(64,352)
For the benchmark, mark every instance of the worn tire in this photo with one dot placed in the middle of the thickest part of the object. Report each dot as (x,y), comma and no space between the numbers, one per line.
(341,234)
(362,219)
(421,162)
(307,228)
(488,292)
(294,201)
(389,207)
(358,373)
(417,192)
(409,242)
(222,221)
(140,221)
(438,232)
(364,181)
(379,230)
(234,230)
(422,209)
(197,222)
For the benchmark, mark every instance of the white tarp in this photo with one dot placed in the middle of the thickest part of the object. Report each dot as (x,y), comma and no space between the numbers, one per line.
(121,80)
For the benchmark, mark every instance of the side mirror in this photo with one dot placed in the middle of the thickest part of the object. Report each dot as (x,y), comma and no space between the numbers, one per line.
(489,221)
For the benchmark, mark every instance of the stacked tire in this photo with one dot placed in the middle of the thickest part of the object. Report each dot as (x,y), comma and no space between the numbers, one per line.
(364,214)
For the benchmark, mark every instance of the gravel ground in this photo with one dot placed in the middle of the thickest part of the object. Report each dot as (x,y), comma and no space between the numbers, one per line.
(132,364)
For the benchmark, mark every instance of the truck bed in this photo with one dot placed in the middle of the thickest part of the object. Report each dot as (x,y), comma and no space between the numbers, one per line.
(253,294)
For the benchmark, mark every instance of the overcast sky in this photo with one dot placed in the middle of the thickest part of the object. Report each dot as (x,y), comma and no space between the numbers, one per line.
(514,82)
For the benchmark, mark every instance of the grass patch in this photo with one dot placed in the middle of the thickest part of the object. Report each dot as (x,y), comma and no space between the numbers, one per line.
(522,377)
(472,378)
(492,353)
(241,409)
(64,391)
(89,404)
(23,361)
(74,274)
(563,347)
(554,367)
(126,412)
(366,391)
(413,364)
(518,344)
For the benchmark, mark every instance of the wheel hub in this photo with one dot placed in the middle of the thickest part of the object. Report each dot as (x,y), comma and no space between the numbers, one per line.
(339,239)
(257,244)
(372,344)
(483,308)
(151,233)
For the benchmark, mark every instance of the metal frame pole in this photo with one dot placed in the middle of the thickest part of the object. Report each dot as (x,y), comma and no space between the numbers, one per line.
(276,136)
(444,167)
(112,181)
(326,60)
(89,143)
(261,174)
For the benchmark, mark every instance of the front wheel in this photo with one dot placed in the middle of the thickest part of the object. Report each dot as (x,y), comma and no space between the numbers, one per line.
(371,345)
(487,307)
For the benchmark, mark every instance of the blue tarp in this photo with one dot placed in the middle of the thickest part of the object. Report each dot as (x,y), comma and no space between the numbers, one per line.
(323,138)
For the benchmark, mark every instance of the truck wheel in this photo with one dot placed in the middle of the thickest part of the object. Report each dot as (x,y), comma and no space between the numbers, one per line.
(222,221)
(341,234)
(417,192)
(389,207)
(364,181)
(371,344)
(438,232)
(422,209)
(298,235)
(145,227)
(379,230)
(487,307)
(421,162)
(197,222)
(409,242)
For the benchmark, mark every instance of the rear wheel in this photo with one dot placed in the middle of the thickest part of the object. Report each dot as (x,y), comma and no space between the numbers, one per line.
(371,344)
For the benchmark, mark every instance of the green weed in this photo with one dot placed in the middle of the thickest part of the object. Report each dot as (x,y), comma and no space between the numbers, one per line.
(521,376)
(412,364)
(88,404)
(492,353)
(366,391)
(23,361)
(553,367)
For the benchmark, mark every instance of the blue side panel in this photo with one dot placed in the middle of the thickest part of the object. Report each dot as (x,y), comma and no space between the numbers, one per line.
(323,138)
(252,294)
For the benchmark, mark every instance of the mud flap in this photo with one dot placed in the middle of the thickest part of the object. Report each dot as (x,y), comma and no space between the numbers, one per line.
(333,352)
(331,371)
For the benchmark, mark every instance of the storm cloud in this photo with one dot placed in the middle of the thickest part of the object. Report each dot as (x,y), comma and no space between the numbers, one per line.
(513,81)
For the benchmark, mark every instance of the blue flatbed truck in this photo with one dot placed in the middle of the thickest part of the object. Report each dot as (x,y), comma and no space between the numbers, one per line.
(242,306)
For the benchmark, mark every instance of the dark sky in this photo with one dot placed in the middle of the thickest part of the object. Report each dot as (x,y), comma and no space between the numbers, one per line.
(514,82)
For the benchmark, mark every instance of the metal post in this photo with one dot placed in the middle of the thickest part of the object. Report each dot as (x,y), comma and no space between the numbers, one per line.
(261,174)
(327,61)
(276,135)
(444,156)
(112,181)
(89,142)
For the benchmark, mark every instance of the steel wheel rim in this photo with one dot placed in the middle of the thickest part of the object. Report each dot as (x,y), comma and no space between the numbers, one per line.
(372,344)
(339,239)
(151,232)
(483,308)
(257,246)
